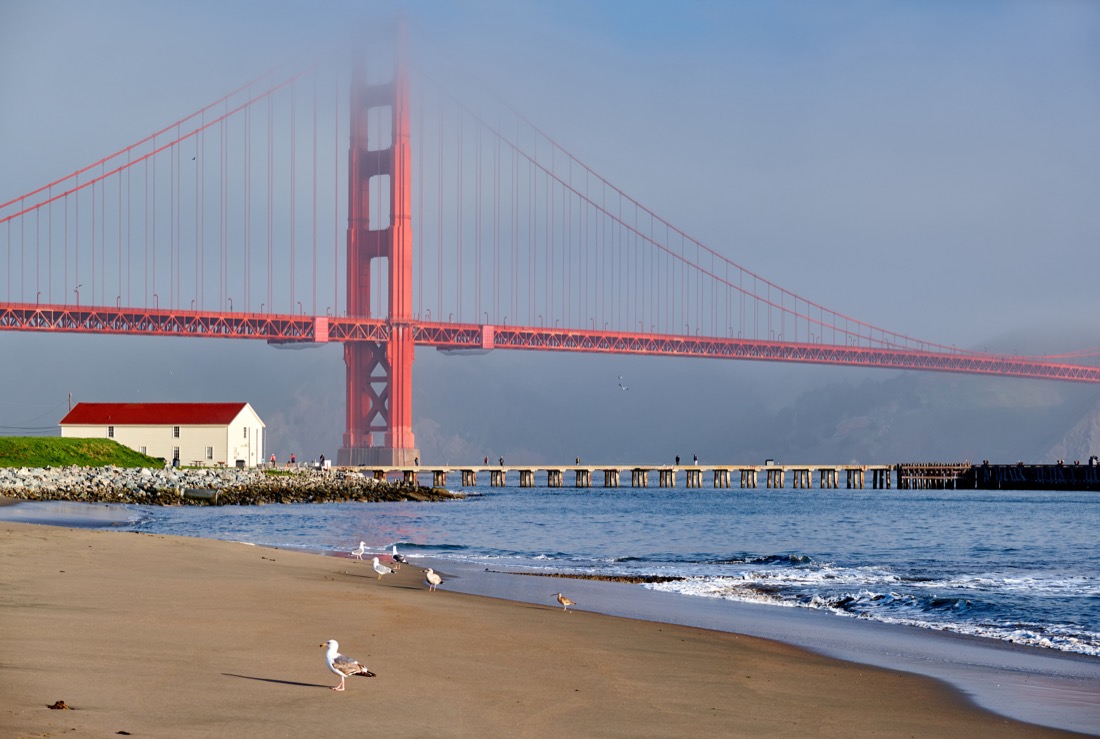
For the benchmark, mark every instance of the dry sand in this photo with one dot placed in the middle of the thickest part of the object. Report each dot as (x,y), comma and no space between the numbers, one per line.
(168,636)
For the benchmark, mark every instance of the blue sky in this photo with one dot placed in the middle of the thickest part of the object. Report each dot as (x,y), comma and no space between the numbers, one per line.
(952,141)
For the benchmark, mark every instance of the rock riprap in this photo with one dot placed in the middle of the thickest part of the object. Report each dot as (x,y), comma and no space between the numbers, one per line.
(218,485)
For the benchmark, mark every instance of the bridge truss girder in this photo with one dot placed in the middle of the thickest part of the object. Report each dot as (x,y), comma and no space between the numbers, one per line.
(290,329)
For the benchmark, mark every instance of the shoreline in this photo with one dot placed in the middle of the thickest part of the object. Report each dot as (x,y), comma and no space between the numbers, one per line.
(1041,686)
(1045,687)
(198,637)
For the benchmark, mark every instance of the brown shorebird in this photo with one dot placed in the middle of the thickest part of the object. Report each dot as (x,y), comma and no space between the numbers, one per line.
(432,578)
(343,666)
(565,602)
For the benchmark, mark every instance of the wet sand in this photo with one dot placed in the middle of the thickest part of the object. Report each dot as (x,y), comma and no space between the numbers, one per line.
(169,636)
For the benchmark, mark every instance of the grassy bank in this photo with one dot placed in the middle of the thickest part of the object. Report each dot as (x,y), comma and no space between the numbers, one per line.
(54,451)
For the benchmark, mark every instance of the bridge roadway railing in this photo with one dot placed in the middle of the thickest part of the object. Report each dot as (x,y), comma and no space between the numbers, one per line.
(827,476)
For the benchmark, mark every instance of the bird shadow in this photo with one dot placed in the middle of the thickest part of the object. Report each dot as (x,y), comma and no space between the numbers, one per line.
(279,682)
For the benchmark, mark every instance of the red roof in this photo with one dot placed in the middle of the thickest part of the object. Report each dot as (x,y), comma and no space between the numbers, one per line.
(153,414)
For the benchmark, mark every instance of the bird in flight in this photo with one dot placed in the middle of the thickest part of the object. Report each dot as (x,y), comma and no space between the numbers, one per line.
(621,385)
(343,666)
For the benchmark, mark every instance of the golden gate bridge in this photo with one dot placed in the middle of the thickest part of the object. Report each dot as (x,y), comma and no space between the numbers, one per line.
(370,206)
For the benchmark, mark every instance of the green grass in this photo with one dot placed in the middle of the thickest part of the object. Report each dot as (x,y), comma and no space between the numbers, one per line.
(54,451)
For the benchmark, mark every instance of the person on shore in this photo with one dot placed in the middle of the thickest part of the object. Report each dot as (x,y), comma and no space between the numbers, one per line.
(321,463)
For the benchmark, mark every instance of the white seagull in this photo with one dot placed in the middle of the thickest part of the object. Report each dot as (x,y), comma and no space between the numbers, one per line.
(341,665)
(398,559)
(381,569)
(432,578)
(621,385)
(358,553)
(565,602)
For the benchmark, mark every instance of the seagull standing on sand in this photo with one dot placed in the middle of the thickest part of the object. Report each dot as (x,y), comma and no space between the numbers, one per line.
(432,578)
(565,602)
(358,553)
(381,569)
(398,559)
(341,665)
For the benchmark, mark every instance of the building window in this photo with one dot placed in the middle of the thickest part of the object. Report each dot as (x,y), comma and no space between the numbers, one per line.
(246,432)
(110,432)
(143,450)
(175,432)
(175,452)
(209,452)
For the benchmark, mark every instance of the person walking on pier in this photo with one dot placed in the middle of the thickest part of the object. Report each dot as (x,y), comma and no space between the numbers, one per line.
(695,459)
(677,460)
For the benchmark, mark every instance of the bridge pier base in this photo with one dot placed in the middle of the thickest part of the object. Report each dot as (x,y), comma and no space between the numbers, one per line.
(527,478)
(611,478)
(469,477)
(583,479)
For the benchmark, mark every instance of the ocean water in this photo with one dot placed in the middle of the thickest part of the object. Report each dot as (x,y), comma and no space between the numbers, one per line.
(1020,567)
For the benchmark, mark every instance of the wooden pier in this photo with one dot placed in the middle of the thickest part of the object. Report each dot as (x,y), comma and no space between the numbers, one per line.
(770,476)
(908,475)
(986,476)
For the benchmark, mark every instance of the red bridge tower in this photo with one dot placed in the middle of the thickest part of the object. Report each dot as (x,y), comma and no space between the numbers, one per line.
(379,374)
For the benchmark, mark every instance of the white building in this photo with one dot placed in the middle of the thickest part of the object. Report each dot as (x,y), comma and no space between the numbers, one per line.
(197,434)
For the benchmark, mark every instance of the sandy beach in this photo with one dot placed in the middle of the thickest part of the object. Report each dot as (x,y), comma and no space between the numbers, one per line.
(170,636)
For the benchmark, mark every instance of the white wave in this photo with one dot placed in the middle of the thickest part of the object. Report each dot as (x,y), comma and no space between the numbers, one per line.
(872,608)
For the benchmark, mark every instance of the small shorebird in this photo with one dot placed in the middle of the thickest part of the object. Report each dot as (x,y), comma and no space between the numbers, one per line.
(565,602)
(341,665)
(398,559)
(358,553)
(381,569)
(432,578)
